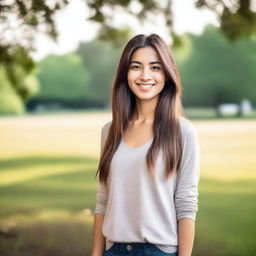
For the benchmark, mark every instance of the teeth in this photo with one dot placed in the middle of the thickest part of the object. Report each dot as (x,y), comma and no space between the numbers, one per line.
(145,86)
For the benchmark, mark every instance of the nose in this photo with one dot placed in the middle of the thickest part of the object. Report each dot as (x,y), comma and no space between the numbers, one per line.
(145,74)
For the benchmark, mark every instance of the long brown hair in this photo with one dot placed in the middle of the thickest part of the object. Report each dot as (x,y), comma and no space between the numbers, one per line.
(166,125)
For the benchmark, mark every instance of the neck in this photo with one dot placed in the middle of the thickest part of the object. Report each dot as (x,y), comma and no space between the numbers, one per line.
(145,110)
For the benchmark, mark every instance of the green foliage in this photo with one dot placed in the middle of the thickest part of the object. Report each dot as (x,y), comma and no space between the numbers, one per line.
(17,38)
(101,60)
(181,53)
(17,65)
(63,77)
(117,37)
(31,14)
(237,18)
(17,81)
(32,85)
(216,71)
(10,101)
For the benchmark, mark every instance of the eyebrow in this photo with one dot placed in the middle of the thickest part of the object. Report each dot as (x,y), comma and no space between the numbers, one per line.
(153,62)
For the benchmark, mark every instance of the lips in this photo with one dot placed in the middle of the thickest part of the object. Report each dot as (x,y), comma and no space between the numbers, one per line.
(145,85)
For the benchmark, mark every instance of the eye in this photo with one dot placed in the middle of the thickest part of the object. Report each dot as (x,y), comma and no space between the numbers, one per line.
(156,68)
(136,67)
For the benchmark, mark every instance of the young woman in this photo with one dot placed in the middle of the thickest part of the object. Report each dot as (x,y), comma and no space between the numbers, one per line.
(147,195)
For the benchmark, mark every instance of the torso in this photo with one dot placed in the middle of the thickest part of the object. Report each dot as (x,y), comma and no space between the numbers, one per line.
(138,134)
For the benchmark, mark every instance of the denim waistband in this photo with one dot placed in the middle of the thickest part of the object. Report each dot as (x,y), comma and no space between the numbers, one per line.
(147,248)
(124,247)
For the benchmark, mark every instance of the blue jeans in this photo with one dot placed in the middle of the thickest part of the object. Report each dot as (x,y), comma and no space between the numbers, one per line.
(136,249)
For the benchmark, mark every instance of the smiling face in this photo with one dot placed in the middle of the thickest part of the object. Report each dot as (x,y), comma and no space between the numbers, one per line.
(146,77)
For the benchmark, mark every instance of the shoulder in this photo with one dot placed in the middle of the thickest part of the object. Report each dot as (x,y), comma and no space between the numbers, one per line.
(106,127)
(190,138)
(186,125)
(104,132)
(187,128)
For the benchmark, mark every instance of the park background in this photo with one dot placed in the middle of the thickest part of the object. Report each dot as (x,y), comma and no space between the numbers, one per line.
(53,104)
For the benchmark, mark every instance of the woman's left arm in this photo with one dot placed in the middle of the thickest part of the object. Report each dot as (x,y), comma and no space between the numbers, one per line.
(186,233)
(186,194)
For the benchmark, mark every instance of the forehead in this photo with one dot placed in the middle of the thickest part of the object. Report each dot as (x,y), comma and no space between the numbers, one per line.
(145,55)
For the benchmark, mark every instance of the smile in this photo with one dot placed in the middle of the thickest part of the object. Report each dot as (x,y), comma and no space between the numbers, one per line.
(145,85)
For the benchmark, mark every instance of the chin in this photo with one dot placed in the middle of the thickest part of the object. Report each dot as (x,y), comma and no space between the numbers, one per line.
(145,97)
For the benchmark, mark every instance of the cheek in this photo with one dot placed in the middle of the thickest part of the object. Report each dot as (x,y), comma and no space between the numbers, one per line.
(131,76)
(161,78)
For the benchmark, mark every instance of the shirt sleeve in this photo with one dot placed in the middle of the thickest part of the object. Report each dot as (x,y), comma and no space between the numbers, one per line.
(186,195)
(101,199)
(102,193)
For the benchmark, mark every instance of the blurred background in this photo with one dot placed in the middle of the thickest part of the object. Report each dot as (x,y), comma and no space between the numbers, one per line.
(57,63)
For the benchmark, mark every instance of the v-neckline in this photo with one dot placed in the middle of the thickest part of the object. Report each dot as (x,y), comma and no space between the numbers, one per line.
(134,148)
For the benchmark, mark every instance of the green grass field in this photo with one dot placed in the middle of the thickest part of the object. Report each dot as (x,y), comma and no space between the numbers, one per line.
(48,186)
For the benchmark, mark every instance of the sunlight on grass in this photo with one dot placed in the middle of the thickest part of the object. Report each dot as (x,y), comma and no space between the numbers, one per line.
(48,184)
(48,216)
(18,175)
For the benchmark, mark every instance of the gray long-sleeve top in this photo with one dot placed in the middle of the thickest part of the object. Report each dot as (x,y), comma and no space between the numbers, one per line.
(140,209)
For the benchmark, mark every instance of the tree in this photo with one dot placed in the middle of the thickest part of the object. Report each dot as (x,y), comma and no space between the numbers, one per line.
(63,78)
(100,58)
(10,102)
(216,72)
(237,18)
(19,20)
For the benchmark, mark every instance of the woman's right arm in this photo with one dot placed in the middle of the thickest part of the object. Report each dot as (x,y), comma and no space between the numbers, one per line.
(99,241)
(98,246)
